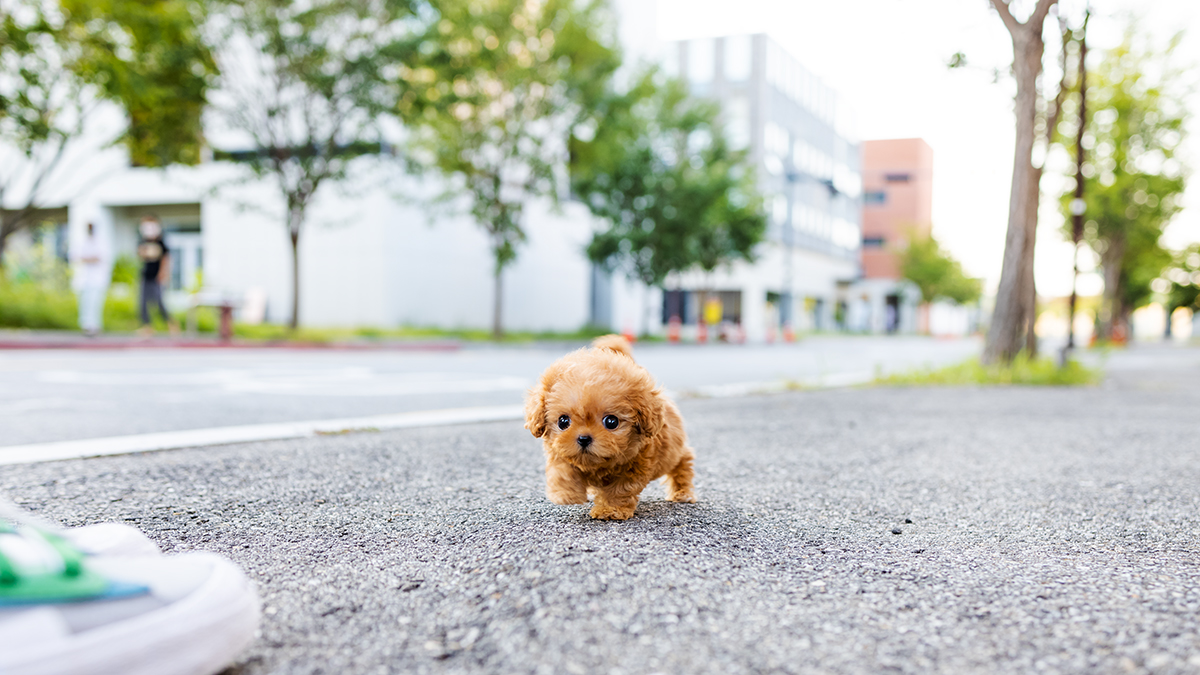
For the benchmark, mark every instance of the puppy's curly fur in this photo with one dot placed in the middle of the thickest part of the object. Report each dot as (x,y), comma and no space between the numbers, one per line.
(608,431)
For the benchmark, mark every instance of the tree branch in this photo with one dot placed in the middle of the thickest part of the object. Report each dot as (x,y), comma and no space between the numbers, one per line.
(1039,13)
(1006,16)
(1055,106)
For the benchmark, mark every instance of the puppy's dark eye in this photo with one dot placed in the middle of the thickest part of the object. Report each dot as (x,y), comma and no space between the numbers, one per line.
(610,421)
(564,422)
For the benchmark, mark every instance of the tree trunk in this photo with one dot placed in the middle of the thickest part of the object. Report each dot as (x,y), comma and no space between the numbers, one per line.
(1009,328)
(1110,264)
(295,220)
(1031,338)
(4,232)
(498,304)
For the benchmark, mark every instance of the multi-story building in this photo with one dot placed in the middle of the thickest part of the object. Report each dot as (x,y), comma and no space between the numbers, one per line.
(897,204)
(795,130)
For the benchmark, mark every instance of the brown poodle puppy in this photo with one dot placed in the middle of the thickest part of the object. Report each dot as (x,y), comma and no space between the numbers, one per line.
(608,431)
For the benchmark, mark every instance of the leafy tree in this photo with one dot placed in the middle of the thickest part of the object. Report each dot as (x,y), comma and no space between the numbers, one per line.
(61,63)
(151,57)
(305,84)
(1133,181)
(1182,279)
(657,167)
(935,273)
(498,87)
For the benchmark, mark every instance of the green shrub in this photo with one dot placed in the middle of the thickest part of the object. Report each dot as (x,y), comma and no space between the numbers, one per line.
(125,270)
(120,309)
(32,305)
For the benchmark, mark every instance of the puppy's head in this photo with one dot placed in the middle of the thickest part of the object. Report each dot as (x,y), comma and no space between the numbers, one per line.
(595,407)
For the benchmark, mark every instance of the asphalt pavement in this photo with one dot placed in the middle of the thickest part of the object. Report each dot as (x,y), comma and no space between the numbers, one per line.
(857,530)
(61,394)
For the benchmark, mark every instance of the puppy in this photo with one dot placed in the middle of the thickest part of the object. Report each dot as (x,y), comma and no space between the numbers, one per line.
(608,431)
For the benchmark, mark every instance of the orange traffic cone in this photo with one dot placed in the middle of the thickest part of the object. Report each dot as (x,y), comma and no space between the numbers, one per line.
(673,329)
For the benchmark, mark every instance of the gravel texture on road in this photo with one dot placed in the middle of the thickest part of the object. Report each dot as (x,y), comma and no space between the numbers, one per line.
(962,530)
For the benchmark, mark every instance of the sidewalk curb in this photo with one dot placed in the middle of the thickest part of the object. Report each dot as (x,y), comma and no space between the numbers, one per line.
(114,345)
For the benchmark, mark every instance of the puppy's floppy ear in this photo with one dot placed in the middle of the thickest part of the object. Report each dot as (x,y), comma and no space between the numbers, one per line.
(535,403)
(648,412)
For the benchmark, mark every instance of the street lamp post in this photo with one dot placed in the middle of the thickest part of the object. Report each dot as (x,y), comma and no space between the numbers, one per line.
(792,176)
(785,297)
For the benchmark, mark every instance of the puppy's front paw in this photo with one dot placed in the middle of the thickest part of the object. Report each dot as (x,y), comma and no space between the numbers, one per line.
(566,496)
(685,496)
(605,512)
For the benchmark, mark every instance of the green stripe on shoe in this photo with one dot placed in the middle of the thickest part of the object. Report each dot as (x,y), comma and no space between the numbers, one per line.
(73,583)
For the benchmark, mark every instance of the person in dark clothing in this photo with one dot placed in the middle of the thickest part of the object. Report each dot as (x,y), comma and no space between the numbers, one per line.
(156,271)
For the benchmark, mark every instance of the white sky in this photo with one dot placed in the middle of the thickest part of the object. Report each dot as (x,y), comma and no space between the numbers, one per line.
(887,60)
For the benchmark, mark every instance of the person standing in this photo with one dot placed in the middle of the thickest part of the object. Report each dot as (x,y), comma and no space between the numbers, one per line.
(156,272)
(92,279)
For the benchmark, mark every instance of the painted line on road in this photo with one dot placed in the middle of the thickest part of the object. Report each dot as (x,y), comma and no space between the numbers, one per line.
(249,433)
(171,440)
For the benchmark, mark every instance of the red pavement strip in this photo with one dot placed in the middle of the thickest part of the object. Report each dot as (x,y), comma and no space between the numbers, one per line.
(134,343)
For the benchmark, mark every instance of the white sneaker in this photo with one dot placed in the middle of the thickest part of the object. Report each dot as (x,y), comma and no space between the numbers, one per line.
(107,539)
(66,613)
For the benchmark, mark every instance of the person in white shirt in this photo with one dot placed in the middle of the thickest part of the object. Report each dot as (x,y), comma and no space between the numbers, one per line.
(93,274)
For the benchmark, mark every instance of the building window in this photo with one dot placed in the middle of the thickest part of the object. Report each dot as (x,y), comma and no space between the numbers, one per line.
(780,209)
(875,197)
(897,177)
(737,122)
(701,61)
(670,59)
(873,242)
(739,55)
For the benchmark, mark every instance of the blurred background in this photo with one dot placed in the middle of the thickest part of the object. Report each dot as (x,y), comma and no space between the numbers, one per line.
(686,171)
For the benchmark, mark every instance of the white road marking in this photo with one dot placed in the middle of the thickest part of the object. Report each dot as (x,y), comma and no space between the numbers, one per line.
(169,440)
(341,382)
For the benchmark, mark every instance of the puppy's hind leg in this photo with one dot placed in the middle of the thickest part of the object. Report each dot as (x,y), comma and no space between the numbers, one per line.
(679,480)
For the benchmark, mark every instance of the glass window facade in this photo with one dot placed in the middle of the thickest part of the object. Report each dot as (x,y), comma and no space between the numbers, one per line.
(701,61)
(739,58)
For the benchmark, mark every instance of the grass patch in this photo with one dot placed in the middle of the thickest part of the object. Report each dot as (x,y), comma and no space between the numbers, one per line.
(1022,371)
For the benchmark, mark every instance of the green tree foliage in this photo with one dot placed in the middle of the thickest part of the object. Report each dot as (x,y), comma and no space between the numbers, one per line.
(497,88)
(61,61)
(1183,280)
(935,273)
(305,84)
(1133,180)
(657,167)
(150,56)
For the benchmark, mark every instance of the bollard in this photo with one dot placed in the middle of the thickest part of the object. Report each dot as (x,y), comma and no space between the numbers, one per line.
(674,326)
(226,329)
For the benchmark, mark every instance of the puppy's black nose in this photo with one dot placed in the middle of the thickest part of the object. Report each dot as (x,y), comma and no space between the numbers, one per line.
(584,441)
